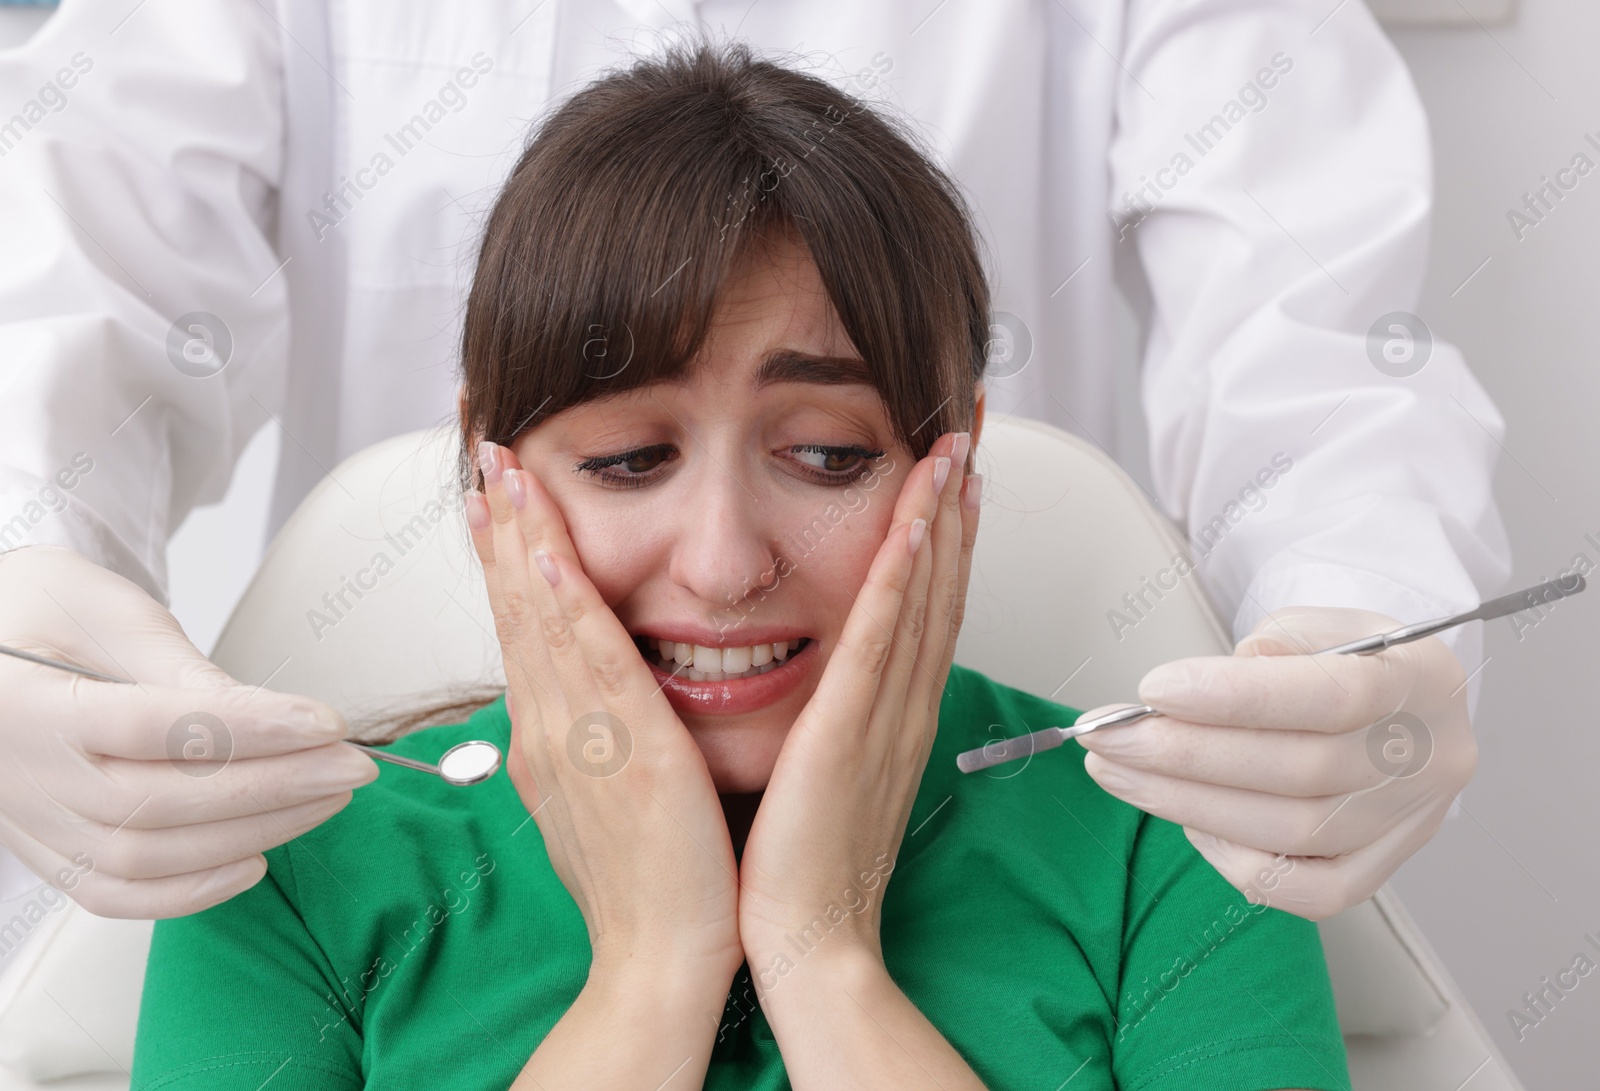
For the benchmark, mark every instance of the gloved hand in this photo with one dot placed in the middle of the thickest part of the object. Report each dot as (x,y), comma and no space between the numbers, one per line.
(1305,780)
(150,800)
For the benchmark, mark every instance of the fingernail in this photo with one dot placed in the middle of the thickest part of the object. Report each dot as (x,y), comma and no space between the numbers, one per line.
(516,488)
(488,463)
(972,491)
(958,453)
(478,517)
(918,526)
(941,471)
(547,565)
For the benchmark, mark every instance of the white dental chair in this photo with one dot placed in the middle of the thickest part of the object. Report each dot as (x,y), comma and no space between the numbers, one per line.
(1056,544)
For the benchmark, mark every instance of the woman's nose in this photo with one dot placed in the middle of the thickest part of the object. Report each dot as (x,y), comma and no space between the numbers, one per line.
(723,552)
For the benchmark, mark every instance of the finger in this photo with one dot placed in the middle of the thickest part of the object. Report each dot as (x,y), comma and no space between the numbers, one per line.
(107,895)
(131,853)
(1317,887)
(948,533)
(481,520)
(155,795)
(1321,826)
(867,642)
(596,661)
(971,509)
(1330,693)
(518,620)
(907,678)
(480,527)
(151,722)
(618,679)
(1288,763)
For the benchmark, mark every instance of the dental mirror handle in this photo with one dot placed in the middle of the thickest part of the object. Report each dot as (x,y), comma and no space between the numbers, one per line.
(1526,599)
(1004,750)
(396,759)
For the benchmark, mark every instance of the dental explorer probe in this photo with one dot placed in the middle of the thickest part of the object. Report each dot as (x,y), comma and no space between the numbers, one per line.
(463,764)
(1022,746)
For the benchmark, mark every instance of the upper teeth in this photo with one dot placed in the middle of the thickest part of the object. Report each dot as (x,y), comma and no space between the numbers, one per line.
(723,661)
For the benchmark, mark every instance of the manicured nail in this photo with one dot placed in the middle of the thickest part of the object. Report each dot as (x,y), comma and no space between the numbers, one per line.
(488,462)
(958,452)
(972,491)
(547,565)
(918,526)
(516,488)
(478,517)
(941,470)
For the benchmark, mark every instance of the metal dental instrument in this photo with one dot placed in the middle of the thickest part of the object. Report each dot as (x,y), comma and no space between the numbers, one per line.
(1022,746)
(463,764)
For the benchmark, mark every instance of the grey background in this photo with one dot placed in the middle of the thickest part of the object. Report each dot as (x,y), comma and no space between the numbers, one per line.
(1508,890)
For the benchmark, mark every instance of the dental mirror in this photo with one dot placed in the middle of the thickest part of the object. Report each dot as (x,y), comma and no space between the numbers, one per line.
(465,763)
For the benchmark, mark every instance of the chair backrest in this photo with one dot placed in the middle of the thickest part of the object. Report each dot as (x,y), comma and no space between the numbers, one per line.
(380,546)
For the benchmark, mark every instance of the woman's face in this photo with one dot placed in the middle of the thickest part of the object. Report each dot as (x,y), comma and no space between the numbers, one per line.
(735,513)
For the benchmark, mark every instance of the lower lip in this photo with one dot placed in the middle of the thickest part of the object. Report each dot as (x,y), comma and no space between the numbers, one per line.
(730,697)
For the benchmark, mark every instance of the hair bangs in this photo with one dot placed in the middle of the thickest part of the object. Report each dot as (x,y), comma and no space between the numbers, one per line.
(641,196)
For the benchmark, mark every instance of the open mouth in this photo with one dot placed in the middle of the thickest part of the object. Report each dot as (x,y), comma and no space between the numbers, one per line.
(698,663)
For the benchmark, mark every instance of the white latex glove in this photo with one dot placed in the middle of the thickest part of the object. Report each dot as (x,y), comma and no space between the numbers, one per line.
(1305,780)
(120,795)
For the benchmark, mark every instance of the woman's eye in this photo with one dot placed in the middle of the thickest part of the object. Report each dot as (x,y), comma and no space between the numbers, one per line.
(837,464)
(628,469)
(827,465)
(643,462)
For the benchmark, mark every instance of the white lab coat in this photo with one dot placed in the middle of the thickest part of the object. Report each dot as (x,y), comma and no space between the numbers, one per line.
(189,167)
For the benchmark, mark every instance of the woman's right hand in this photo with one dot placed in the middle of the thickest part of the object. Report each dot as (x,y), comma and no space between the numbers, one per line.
(619,789)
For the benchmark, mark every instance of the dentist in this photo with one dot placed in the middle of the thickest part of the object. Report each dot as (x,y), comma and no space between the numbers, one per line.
(224,216)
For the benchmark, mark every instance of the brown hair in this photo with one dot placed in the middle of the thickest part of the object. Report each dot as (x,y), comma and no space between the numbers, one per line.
(635,201)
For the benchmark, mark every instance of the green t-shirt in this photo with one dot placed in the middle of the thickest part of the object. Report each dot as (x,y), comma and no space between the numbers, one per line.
(1053,934)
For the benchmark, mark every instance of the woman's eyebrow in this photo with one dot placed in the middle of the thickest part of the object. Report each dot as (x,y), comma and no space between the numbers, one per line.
(793,366)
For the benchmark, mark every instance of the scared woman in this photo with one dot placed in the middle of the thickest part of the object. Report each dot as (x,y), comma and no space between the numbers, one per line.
(722,368)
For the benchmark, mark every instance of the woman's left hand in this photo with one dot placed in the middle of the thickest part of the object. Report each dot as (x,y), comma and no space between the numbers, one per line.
(835,809)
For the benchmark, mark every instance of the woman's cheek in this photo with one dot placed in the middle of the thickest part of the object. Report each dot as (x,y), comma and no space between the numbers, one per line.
(616,552)
(854,535)
(611,540)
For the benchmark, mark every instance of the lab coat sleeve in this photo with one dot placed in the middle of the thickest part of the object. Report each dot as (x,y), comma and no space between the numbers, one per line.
(1270,168)
(137,187)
